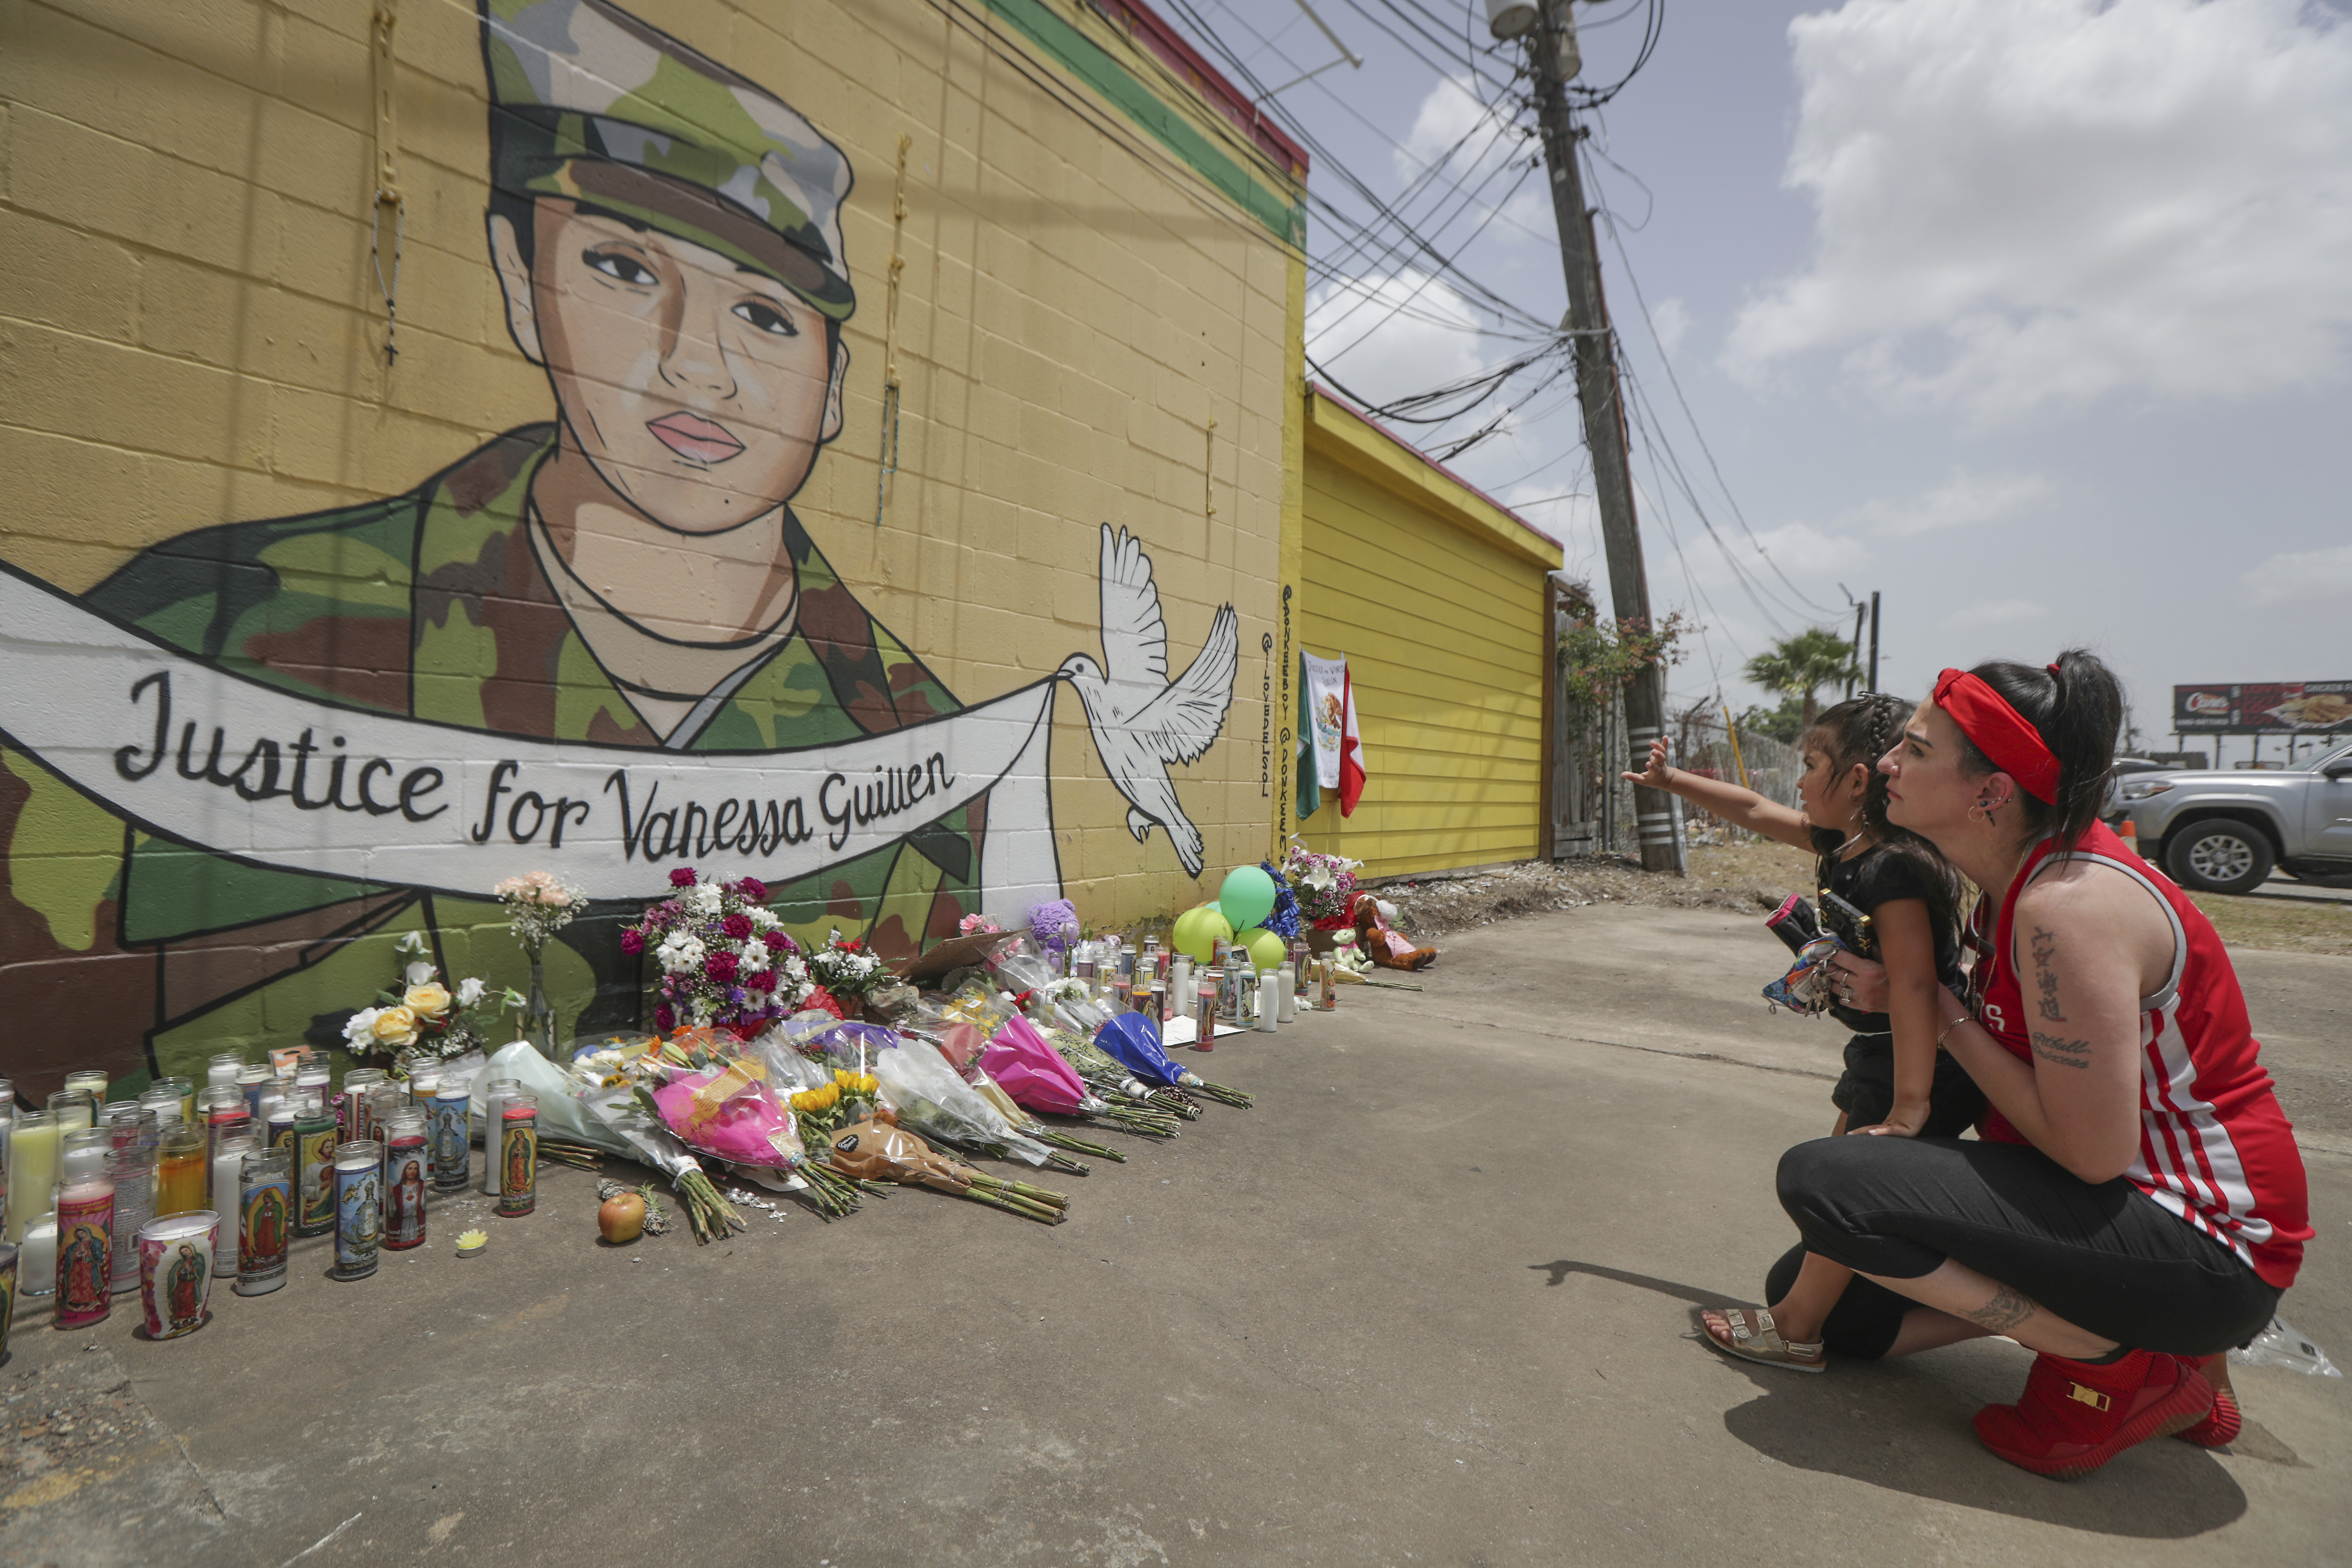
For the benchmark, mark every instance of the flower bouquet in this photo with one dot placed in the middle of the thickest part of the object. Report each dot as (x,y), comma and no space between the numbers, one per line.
(719,1098)
(420,1016)
(1054,926)
(725,961)
(877,1151)
(848,971)
(1034,1074)
(538,906)
(1109,1077)
(1133,1040)
(1324,887)
(925,1095)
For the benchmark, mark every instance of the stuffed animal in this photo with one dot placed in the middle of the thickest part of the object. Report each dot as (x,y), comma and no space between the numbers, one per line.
(1380,941)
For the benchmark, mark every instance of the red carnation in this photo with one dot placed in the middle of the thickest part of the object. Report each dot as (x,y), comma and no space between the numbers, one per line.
(633,941)
(719,967)
(737,926)
(763,981)
(681,877)
(777,941)
(665,1020)
(754,888)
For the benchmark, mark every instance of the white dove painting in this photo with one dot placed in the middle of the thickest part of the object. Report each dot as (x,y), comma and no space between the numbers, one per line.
(1143,723)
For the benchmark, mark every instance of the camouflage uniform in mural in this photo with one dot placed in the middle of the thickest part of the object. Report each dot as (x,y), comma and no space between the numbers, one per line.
(441,604)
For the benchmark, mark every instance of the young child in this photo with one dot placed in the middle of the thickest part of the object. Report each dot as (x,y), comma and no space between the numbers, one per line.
(1888,895)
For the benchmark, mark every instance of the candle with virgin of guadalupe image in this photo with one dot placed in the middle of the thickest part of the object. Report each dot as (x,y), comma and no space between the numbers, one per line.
(265,1219)
(518,1132)
(176,1257)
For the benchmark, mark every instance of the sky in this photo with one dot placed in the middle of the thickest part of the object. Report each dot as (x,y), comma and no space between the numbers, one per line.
(2032,316)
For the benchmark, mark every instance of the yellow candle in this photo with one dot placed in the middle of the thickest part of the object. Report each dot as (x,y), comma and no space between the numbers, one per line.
(182,1168)
(32,1170)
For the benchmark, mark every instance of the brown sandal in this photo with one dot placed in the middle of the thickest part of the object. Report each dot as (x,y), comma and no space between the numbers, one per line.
(1753,1337)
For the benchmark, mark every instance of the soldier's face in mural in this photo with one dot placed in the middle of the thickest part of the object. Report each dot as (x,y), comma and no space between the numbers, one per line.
(699,390)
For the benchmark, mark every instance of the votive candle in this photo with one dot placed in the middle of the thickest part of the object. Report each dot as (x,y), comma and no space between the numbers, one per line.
(177,1256)
(406,1154)
(134,1198)
(265,1216)
(359,1208)
(494,1099)
(450,1134)
(90,1080)
(314,1167)
(228,1163)
(518,1127)
(32,1169)
(223,1069)
(74,1109)
(181,1170)
(36,1260)
(85,1248)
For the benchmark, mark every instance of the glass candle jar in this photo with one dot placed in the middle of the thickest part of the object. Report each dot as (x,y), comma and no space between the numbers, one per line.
(85,1247)
(176,1257)
(74,1109)
(249,1082)
(448,1126)
(134,1196)
(518,1132)
(406,1177)
(222,1068)
(90,1080)
(185,1088)
(228,1164)
(183,1169)
(264,1219)
(314,1167)
(353,1111)
(164,1101)
(494,1098)
(32,1169)
(359,1208)
(37,1258)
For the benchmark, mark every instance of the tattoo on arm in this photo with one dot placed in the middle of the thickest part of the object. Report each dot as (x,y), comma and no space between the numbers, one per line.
(2045,979)
(2003,1312)
(2062,1053)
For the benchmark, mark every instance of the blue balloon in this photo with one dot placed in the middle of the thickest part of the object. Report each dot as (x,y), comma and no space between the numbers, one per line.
(1133,1041)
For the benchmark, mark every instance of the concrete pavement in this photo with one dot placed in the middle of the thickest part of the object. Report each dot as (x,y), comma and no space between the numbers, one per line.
(1428,1303)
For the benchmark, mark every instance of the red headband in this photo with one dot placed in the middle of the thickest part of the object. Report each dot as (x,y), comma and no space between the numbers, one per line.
(1999,731)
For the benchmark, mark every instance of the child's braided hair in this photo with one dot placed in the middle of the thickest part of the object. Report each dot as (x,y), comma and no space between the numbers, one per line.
(1863,729)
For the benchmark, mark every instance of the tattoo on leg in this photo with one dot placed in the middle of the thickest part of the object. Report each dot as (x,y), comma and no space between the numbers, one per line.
(2045,980)
(2003,1312)
(2062,1053)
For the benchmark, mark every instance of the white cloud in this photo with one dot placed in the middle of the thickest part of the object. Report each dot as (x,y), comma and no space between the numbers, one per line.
(1998,613)
(2024,203)
(1388,337)
(1672,322)
(1964,501)
(1465,141)
(2303,575)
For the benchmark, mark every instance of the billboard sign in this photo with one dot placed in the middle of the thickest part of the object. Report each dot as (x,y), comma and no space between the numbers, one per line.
(2272,708)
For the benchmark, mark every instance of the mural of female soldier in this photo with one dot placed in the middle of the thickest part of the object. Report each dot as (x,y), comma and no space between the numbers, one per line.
(627,573)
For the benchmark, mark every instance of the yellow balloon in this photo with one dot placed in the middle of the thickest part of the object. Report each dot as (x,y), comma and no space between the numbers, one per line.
(1266,950)
(1197,931)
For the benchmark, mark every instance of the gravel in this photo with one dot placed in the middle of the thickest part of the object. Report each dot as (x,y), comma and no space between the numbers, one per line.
(1442,905)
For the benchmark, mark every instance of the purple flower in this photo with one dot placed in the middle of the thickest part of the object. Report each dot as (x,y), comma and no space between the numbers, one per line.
(681,877)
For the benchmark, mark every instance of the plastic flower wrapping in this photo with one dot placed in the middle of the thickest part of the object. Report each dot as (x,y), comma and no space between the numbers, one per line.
(725,959)
(419,1012)
(1323,885)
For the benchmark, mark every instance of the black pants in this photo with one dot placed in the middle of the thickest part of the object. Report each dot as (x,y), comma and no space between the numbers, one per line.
(1865,1092)
(2104,1258)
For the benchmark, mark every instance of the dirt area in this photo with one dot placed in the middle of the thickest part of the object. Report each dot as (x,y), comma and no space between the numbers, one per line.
(1756,878)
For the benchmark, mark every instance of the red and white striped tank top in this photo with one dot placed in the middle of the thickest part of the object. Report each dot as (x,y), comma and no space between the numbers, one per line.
(2214,1146)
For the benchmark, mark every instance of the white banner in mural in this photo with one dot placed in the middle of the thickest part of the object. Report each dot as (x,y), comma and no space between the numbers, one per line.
(274,778)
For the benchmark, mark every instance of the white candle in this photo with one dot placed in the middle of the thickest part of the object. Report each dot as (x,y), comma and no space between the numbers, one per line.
(32,1173)
(494,1101)
(1269,1002)
(1286,978)
(36,1264)
(228,1166)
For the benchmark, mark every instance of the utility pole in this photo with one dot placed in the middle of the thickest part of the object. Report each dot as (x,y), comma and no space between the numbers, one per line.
(1873,640)
(1550,34)
(1853,660)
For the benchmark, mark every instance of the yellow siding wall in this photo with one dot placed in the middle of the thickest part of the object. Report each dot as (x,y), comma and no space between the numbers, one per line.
(1440,621)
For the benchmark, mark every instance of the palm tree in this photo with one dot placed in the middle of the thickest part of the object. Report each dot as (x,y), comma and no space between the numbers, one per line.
(1803,663)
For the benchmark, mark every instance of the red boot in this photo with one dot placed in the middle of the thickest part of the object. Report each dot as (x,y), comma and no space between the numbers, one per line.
(2075,1417)
(2221,1426)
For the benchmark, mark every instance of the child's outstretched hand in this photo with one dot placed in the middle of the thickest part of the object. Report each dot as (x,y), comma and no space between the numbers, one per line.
(1655,775)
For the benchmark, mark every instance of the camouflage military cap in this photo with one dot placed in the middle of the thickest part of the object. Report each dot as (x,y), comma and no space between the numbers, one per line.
(588,102)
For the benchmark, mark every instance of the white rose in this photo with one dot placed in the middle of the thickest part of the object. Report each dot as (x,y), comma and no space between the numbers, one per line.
(361,1030)
(469,990)
(417,973)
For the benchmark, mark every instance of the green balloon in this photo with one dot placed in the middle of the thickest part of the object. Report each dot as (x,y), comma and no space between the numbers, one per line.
(1266,950)
(1197,932)
(1247,897)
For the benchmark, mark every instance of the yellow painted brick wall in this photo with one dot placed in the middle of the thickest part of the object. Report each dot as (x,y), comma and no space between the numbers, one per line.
(190,332)
(1435,598)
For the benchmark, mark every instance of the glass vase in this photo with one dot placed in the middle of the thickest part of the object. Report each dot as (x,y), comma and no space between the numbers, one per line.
(538,1017)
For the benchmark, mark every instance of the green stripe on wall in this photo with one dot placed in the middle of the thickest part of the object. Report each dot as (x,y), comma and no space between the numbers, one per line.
(1087,60)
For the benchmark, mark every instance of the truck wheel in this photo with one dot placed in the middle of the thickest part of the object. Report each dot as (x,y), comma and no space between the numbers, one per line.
(2218,856)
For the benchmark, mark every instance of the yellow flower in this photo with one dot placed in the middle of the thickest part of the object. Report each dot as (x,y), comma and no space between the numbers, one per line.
(395,1026)
(429,1000)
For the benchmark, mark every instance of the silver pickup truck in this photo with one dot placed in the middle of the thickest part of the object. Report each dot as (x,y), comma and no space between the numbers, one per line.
(2223,832)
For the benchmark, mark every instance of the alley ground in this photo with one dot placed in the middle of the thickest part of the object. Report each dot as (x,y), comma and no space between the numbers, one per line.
(1428,1303)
